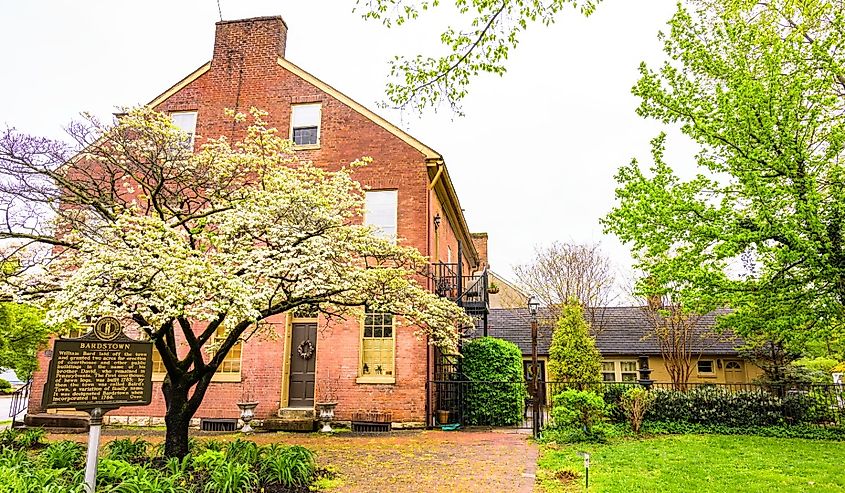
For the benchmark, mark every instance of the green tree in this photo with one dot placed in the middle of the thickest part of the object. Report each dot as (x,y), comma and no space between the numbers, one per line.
(573,356)
(22,334)
(760,87)
(484,33)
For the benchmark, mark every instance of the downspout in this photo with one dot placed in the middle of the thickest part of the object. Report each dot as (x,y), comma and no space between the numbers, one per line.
(430,285)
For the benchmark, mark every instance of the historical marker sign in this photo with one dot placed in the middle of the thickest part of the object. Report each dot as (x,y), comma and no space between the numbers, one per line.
(103,369)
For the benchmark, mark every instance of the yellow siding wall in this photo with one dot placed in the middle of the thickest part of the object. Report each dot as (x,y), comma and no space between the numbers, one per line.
(661,375)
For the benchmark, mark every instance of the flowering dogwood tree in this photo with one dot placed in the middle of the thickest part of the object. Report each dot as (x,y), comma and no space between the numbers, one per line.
(186,244)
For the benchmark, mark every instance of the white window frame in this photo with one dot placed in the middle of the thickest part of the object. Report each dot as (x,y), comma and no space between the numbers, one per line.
(389,199)
(192,132)
(295,125)
(712,367)
(618,371)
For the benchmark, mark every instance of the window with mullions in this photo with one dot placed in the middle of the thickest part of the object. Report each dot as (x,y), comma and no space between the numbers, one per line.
(619,371)
(377,345)
(305,124)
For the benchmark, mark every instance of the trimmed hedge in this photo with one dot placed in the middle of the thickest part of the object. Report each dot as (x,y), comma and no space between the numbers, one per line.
(718,406)
(489,359)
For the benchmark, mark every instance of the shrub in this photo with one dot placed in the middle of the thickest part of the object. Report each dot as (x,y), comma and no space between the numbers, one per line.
(65,454)
(128,449)
(5,385)
(288,466)
(580,410)
(573,356)
(713,405)
(502,403)
(635,402)
(231,477)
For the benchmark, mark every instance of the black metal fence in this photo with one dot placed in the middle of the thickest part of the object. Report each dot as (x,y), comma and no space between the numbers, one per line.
(509,404)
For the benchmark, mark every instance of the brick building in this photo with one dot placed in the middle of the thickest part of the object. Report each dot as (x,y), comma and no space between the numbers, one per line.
(369,365)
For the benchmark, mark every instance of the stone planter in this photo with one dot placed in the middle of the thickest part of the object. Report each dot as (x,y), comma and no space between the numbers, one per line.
(247,415)
(325,411)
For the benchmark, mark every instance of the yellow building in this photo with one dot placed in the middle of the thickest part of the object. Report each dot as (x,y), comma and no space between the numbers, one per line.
(625,341)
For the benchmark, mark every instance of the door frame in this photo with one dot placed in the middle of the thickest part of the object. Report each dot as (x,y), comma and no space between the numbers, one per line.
(743,367)
(284,402)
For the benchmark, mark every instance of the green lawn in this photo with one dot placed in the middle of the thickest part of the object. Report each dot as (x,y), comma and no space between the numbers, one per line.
(694,463)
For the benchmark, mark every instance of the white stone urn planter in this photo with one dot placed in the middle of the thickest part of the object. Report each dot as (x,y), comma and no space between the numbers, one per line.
(247,415)
(325,412)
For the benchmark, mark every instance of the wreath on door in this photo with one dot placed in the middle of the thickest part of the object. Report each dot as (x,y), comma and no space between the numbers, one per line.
(305,349)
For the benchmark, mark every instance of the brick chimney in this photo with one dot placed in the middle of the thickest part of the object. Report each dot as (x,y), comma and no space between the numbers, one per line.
(245,42)
(479,241)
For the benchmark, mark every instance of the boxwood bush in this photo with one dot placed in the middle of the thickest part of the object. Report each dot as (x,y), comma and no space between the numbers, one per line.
(501,402)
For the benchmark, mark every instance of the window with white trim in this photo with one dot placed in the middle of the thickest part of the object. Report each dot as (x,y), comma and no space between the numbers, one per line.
(619,371)
(705,366)
(381,211)
(186,121)
(305,124)
(377,345)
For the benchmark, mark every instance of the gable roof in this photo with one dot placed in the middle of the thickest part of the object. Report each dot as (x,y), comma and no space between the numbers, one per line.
(625,330)
(428,152)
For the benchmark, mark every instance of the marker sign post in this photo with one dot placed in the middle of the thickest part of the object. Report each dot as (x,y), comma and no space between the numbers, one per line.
(101,371)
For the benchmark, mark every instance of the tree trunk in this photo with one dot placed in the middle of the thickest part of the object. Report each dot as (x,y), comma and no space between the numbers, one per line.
(177,420)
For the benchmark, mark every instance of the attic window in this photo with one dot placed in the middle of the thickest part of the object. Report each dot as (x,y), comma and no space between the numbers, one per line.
(186,121)
(305,124)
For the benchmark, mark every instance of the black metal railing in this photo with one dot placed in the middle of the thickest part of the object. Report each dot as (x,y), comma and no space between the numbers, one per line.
(468,291)
(20,402)
(738,405)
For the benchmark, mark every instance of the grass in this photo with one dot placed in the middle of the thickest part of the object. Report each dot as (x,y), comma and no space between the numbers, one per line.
(683,463)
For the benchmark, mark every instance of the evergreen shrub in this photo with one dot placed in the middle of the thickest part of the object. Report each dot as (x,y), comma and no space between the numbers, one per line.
(501,402)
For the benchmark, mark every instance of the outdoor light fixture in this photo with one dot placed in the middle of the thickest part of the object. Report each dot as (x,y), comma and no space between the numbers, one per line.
(586,457)
(437,221)
(533,305)
(535,382)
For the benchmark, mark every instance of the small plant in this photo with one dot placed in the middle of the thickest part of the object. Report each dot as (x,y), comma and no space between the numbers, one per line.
(209,460)
(31,438)
(65,454)
(242,452)
(635,402)
(127,449)
(5,387)
(288,466)
(8,438)
(231,477)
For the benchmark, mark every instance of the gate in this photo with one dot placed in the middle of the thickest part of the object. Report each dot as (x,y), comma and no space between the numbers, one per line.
(499,404)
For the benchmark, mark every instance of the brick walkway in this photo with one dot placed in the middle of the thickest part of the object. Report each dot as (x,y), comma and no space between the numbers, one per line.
(428,461)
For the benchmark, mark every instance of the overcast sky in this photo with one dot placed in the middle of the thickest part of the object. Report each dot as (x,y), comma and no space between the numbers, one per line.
(533,159)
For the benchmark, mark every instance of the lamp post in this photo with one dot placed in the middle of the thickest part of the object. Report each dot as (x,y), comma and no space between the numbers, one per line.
(533,305)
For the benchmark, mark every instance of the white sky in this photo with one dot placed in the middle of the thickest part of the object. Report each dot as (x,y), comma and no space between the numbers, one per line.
(533,159)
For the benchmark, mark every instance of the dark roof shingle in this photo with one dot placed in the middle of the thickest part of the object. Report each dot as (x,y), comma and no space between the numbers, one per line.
(625,332)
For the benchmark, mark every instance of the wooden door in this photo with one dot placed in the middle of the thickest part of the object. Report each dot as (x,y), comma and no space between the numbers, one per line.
(734,372)
(303,359)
